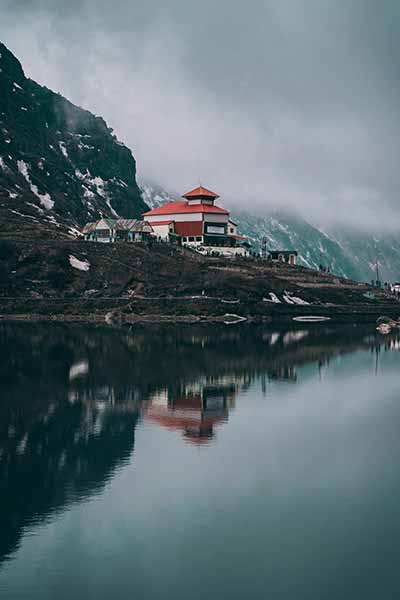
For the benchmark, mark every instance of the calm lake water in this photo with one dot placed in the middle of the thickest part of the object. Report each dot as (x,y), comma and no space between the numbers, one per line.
(235,462)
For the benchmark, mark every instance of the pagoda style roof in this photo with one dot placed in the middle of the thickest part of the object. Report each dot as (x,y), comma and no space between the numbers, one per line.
(200,192)
(182,207)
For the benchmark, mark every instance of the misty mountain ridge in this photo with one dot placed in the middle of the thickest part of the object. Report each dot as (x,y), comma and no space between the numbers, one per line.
(345,251)
(61,166)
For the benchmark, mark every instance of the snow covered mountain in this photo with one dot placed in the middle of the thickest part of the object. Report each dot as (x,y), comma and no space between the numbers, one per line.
(367,250)
(60,165)
(347,253)
(283,231)
(154,195)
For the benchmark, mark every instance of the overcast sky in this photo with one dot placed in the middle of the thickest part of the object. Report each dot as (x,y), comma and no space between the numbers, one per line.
(271,103)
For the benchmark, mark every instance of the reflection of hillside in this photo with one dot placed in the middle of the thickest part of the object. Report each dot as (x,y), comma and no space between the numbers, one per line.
(70,398)
(55,449)
(65,455)
(35,357)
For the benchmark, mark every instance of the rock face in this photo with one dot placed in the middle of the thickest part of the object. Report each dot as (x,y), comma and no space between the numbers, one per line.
(60,165)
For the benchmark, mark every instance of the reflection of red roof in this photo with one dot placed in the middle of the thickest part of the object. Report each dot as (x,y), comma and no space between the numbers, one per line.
(191,400)
(189,227)
(161,222)
(195,426)
(182,206)
(240,238)
(200,192)
(196,432)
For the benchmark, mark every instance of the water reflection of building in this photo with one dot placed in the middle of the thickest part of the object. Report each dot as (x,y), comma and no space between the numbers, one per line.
(122,398)
(71,398)
(193,408)
(282,373)
(393,344)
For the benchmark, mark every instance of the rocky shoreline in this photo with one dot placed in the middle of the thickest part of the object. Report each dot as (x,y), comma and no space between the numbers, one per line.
(294,316)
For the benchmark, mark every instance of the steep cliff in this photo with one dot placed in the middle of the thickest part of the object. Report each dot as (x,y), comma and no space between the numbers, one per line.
(60,165)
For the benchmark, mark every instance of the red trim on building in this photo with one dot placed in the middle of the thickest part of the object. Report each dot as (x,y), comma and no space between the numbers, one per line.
(182,207)
(189,228)
(200,192)
(160,222)
(240,238)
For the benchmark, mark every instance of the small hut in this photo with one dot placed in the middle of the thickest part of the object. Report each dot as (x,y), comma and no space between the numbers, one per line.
(283,256)
(117,230)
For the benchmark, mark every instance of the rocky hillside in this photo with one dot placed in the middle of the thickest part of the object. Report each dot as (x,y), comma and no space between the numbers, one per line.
(60,165)
(76,280)
(346,252)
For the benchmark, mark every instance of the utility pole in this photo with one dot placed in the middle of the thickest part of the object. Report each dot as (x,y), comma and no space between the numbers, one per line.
(378,281)
(264,248)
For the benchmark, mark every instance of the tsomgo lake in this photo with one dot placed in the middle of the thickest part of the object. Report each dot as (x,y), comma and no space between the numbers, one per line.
(199,462)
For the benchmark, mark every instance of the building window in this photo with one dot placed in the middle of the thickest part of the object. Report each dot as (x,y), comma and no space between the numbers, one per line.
(215,229)
(184,239)
(191,239)
(232,230)
(199,238)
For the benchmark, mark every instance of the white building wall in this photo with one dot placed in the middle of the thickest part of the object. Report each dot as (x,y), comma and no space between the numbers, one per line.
(216,218)
(175,217)
(232,228)
(162,231)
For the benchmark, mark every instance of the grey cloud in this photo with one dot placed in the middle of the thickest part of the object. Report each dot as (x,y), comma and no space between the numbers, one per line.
(275,103)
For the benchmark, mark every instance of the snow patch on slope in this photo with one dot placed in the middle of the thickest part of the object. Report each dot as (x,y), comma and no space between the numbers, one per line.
(95,185)
(45,199)
(81,265)
(63,149)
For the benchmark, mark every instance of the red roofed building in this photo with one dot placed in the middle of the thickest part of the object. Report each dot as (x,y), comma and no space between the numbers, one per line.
(196,221)
(201,192)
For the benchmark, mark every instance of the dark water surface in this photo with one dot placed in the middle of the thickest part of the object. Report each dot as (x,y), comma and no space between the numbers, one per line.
(235,462)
